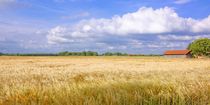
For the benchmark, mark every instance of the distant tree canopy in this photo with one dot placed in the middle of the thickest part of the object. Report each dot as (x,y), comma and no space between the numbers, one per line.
(200,47)
(114,54)
(84,53)
(91,53)
(67,53)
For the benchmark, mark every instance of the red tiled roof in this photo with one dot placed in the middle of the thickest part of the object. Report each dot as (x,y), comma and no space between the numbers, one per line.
(177,52)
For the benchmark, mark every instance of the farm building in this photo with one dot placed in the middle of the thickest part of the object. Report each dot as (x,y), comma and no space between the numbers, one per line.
(178,54)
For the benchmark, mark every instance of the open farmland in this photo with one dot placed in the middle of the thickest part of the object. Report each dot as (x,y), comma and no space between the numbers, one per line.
(104,81)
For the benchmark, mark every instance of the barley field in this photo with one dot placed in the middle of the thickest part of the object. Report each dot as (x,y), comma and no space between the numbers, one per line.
(104,81)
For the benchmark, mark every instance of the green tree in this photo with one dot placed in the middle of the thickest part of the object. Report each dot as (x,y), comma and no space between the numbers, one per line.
(91,53)
(63,53)
(200,47)
(108,54)
(83,53)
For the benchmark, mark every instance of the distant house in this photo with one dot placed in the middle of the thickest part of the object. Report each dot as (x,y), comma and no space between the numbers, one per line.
(178,54)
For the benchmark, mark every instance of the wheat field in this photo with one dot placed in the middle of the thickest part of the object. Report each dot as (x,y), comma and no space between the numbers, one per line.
(104,81)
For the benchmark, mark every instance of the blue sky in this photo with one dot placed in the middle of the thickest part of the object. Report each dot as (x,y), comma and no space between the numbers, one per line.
(132,26)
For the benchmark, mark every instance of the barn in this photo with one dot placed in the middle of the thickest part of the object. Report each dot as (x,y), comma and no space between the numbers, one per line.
(177,54)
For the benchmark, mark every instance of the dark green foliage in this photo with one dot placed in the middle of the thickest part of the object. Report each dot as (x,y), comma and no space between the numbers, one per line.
(84,53)
(1,54)
(107,54)
(63,53)
(91,53)
(200,47)
(114,54)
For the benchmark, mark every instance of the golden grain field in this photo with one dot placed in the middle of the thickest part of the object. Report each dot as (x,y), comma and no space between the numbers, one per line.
(104,81)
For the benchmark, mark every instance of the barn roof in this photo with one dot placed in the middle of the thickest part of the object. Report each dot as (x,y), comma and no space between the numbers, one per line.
(177,52)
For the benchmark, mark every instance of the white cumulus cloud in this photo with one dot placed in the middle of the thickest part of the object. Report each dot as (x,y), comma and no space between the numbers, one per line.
(143,28)
(145,21)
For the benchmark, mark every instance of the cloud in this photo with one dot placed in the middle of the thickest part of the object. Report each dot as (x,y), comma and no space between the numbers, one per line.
(56,35)
(181,1)
(181,38)
(173,45)
(147,28)
(145,21)
(23,36)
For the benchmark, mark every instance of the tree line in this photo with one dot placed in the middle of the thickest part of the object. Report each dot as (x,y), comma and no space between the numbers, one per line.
(91,53)
(199,47)
(83,53)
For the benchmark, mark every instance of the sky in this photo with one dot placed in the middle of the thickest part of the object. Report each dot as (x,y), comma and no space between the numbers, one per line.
(130,26)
